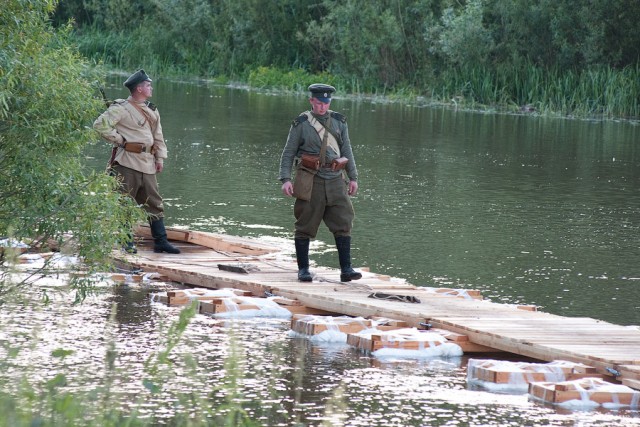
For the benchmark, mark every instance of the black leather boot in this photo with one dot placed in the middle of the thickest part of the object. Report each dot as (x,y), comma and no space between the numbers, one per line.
(302,256)
(129,246)
(347,274)
(160,242)
(129,243)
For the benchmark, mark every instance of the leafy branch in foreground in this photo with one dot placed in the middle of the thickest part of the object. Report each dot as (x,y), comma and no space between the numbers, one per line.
(47,101)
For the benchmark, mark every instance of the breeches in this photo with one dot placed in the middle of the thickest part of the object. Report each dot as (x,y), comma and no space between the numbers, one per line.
(329,203)
(143,187)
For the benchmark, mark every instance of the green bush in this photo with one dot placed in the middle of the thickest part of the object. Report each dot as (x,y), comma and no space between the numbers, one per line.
(295,80)
(48,100)
(557,56)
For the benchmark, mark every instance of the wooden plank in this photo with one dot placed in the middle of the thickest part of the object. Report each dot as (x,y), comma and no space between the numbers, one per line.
(486,325)
(213,241)
(505,372)
(581,390)
(526,349)
(375,345)
(633,383)
(402,339)
(451,336)
(629,371)
(222,305)
(301,309)
(314,325)
(286,301)
(127,277)
(380,321)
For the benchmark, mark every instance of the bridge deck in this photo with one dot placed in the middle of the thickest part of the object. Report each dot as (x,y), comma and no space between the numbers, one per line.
(547,337)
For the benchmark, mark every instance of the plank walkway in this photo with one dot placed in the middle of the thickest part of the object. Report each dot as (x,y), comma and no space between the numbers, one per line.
(613,350)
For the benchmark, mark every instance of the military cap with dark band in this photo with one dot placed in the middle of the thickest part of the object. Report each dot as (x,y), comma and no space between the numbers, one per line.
(322,92)
(136,78)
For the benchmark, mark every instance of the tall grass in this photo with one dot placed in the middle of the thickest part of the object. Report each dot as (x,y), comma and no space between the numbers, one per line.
(291,80)
(600,92)
(480,54)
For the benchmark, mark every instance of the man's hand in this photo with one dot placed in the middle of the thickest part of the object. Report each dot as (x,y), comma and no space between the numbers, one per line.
(287,188)
(353,188)
(159,167)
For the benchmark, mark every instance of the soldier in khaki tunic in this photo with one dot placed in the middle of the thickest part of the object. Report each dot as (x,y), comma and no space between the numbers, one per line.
(319,146)
(133,127)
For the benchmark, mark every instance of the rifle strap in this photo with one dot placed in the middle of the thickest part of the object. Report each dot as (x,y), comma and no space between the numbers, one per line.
(323,150)
(333,133)
(152,122)
(327,137)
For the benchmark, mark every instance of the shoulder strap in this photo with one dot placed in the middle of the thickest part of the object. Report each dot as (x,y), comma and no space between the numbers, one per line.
(300,119)
(338,116)
(325,133)
(323,149)
(147,117)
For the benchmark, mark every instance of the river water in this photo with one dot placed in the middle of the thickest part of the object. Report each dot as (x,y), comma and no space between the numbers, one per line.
(528,210)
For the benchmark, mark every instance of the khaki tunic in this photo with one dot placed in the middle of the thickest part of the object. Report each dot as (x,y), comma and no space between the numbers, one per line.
(123,122)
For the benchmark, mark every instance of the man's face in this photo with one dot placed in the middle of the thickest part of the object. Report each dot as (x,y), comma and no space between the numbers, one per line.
(145,89)
(319,107)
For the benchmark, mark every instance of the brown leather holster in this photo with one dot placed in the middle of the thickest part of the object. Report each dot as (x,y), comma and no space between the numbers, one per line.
(310,161)
(339,163)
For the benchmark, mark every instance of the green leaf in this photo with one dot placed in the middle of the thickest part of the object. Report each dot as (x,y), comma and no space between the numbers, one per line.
(61,353)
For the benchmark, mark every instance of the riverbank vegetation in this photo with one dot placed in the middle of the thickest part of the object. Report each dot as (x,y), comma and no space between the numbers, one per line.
(47,101)
(555,57)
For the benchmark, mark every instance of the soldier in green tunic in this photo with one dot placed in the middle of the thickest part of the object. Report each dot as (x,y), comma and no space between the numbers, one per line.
(318,146)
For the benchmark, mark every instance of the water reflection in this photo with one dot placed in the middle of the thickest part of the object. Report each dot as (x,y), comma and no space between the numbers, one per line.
(281,381)
(529,210)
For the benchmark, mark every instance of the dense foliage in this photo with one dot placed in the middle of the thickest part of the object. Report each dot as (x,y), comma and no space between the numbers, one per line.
(47,102)
(557,55)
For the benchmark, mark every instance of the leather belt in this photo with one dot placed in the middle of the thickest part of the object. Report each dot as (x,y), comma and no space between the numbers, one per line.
(135,147)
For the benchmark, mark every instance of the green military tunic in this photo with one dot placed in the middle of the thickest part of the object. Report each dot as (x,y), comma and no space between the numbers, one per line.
(304,139)
(330,201)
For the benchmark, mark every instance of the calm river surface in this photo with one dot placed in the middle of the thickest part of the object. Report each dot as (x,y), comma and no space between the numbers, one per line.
(528,210)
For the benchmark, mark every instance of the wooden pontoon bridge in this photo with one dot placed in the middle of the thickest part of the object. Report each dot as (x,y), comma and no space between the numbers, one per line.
(219,261)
